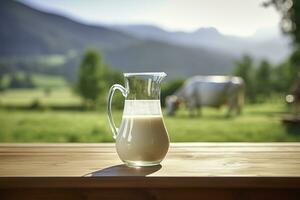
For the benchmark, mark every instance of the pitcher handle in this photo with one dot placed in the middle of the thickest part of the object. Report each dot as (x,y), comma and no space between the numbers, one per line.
(109,102)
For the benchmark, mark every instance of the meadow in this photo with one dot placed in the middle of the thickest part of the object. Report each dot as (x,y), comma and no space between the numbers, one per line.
(258,123)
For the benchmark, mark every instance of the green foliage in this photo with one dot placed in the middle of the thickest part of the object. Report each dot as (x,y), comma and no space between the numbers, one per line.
(95,78)
(23,81)
(91,78)
(290,24)
(264,79)
(244,68)
(282,77)
(170,88)
(2,87)
(295,64)
(113,77)
(290,17)
(262,84)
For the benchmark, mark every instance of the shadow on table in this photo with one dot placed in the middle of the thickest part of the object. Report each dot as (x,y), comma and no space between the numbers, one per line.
(123,170)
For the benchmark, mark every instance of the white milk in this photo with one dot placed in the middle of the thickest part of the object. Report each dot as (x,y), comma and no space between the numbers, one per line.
(142,137)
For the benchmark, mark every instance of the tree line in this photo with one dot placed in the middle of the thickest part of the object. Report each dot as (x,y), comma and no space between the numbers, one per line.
(94,77)
(264,79)
(16,81)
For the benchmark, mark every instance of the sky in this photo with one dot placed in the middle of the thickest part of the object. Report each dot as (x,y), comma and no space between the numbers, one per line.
(233,17)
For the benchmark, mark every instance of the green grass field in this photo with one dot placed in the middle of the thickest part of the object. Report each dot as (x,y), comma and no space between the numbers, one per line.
(24,97)
(48,81)
(259,123)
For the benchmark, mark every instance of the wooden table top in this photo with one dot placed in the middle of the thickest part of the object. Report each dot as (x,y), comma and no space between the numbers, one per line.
(186,165)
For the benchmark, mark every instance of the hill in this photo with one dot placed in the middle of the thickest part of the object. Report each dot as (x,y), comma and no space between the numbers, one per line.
(175,60)
(267,43)
(30,38)
(27,31)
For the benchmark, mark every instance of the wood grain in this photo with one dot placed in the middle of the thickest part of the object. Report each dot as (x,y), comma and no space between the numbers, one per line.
(215,170)
(185,159)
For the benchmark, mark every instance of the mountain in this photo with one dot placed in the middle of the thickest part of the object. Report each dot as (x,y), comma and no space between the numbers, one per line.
(27,31)
(151,55)
(266,43)
(29,38)
(142,31)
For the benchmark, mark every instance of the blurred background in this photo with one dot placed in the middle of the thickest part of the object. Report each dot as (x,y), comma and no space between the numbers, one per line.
(58,59)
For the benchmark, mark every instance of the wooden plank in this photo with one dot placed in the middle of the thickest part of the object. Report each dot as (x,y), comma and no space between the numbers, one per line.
(281,147)
(151,182)
(223,160)
(188,165)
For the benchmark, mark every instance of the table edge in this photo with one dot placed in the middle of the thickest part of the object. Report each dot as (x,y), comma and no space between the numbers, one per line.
(150,182)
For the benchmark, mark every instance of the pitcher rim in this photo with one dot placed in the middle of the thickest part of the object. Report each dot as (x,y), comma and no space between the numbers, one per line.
(144,74)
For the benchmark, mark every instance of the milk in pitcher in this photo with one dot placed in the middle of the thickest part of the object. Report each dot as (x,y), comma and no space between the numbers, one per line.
(142,137)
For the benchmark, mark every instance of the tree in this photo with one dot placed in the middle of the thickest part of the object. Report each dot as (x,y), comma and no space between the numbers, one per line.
(290,17)
(91,78)
(290,24)
(28,82)
(1,83)
(111,77)
(263,79)
(15,81)
(170,88)
(282,77)
(244,69)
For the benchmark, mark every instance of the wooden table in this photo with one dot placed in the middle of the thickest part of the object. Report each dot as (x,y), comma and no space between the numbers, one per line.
(190,171)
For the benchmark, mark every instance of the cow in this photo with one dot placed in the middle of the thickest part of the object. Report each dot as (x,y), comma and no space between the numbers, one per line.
(213,91)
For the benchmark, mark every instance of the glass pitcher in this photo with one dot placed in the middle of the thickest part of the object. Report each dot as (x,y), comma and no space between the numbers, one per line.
(142,139)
